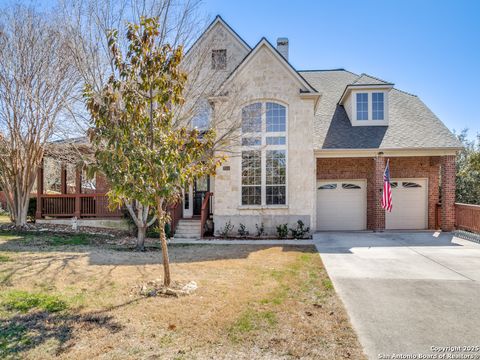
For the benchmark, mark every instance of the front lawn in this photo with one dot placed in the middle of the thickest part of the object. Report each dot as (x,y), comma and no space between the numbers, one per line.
(72,297)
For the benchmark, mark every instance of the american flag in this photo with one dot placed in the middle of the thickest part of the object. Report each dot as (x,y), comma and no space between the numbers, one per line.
(387,189)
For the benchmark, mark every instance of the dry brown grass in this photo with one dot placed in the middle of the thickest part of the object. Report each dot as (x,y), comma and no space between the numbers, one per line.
(253,302)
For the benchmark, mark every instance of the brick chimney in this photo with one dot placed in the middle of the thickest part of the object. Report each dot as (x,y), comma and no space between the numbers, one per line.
(282,46)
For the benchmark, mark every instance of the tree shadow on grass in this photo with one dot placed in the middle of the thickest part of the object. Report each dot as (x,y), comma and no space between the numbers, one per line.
(24,332)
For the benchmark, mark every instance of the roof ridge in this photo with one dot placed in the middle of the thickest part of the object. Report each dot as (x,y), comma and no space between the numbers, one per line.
(373,77)
(320,70)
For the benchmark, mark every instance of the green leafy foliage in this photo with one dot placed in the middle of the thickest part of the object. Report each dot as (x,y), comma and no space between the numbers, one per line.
(300,230)
(282,231)
(146,155)
(226,229)
(242,230)
(468,170)
(260,229)
(24,301)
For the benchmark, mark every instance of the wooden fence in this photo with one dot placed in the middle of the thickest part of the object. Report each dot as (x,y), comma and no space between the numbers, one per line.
(467,217)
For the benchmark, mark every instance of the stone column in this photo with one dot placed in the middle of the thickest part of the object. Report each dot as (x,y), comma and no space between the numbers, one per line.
(378,212)
(448,192)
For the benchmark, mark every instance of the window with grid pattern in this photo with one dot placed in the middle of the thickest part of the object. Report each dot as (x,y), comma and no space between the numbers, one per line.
(252,118)
(264,168)
(275,172)
(377,106)
(219,59)
(362,106)
(251,177)
(276,117)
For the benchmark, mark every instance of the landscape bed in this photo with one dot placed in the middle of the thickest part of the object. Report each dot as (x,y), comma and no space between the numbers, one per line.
(74,296)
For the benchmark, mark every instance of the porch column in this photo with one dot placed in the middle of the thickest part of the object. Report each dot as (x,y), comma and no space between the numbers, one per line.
(63,179)
(78,190)
(378,212)
(448,172)
(38,213)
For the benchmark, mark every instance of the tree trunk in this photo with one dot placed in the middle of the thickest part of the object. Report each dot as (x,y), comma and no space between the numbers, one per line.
(141,238)
(163,242)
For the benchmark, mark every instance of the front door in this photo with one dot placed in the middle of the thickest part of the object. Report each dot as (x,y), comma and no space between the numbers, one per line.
(200,187)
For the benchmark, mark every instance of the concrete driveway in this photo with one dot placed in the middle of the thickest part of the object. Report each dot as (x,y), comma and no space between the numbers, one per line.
(407,292)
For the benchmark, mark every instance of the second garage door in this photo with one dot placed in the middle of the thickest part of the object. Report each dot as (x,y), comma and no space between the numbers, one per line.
(342,205)
(409,198)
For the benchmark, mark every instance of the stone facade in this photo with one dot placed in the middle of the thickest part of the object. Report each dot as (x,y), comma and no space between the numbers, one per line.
(265,78)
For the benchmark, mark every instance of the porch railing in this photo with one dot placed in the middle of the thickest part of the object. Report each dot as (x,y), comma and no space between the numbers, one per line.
(467,217)
(205,213)
(176,212)
(78,205)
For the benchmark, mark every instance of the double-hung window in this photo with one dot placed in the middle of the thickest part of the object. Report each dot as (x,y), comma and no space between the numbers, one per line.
(362,106)
(370,107)
(264,154)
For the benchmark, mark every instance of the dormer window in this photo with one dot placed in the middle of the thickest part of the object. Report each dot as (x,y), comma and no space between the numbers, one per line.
(362,106)
(377,106)
(219,59)
(367,107)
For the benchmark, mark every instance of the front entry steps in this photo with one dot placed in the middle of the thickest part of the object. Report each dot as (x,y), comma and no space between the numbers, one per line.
(188,229)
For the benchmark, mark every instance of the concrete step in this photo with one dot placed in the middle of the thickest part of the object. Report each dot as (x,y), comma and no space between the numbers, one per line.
(188,229)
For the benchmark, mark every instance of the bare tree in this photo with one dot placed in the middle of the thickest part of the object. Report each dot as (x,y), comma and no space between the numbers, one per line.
(36,83)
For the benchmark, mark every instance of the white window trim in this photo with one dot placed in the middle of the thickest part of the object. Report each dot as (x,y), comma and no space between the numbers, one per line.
(263,149)
(370,121)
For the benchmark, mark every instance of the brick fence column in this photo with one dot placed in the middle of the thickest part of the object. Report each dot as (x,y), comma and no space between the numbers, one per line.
(448,192)
(378,212)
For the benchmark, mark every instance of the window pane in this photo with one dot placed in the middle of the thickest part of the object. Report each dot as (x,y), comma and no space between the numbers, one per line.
(276,195)
(377,106)
(251,178)
(276,140)
(251,141)
(276,117)
(362,106)
(275,167)
(252,118)
(201,119)
(219,59)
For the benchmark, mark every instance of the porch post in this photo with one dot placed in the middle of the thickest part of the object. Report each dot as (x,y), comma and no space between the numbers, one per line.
(63,179)
(38,213)
(378,212)
(78,190)
(448,192)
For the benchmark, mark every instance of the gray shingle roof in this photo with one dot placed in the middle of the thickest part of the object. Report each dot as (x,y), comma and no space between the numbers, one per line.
(365,79)
(411,123)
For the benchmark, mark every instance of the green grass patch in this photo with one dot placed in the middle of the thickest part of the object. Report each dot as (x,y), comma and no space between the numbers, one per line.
(24,301)
(327,284)
(251,321)
(76,239)
(4,258)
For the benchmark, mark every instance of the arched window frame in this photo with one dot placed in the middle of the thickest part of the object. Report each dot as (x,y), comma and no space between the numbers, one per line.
(269,144)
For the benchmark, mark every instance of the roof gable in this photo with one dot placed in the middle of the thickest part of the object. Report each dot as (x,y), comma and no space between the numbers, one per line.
(265,44)
(218,21)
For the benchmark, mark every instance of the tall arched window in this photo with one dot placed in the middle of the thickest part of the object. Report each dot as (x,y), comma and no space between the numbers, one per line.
(264,154)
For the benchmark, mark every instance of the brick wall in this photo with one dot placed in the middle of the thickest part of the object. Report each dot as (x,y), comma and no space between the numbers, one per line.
(401,167)
(448,192)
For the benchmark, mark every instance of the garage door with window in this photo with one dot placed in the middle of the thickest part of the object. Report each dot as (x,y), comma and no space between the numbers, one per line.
(410,204)
(341,205)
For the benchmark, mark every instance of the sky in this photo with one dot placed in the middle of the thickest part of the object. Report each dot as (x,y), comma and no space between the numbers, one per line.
(428,48)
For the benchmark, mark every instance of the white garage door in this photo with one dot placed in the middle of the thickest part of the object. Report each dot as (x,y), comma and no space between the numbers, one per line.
(342,205)
(410,199)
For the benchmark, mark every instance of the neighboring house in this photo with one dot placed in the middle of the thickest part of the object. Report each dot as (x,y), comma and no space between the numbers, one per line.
(312,145)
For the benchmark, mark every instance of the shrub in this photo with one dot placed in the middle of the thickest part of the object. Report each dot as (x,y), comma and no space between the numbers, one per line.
(282,231)
(260,229)
(226,229)
(300,230)
(242,230)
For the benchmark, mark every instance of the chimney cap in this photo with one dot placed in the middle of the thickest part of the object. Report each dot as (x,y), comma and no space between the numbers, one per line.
(282,41)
